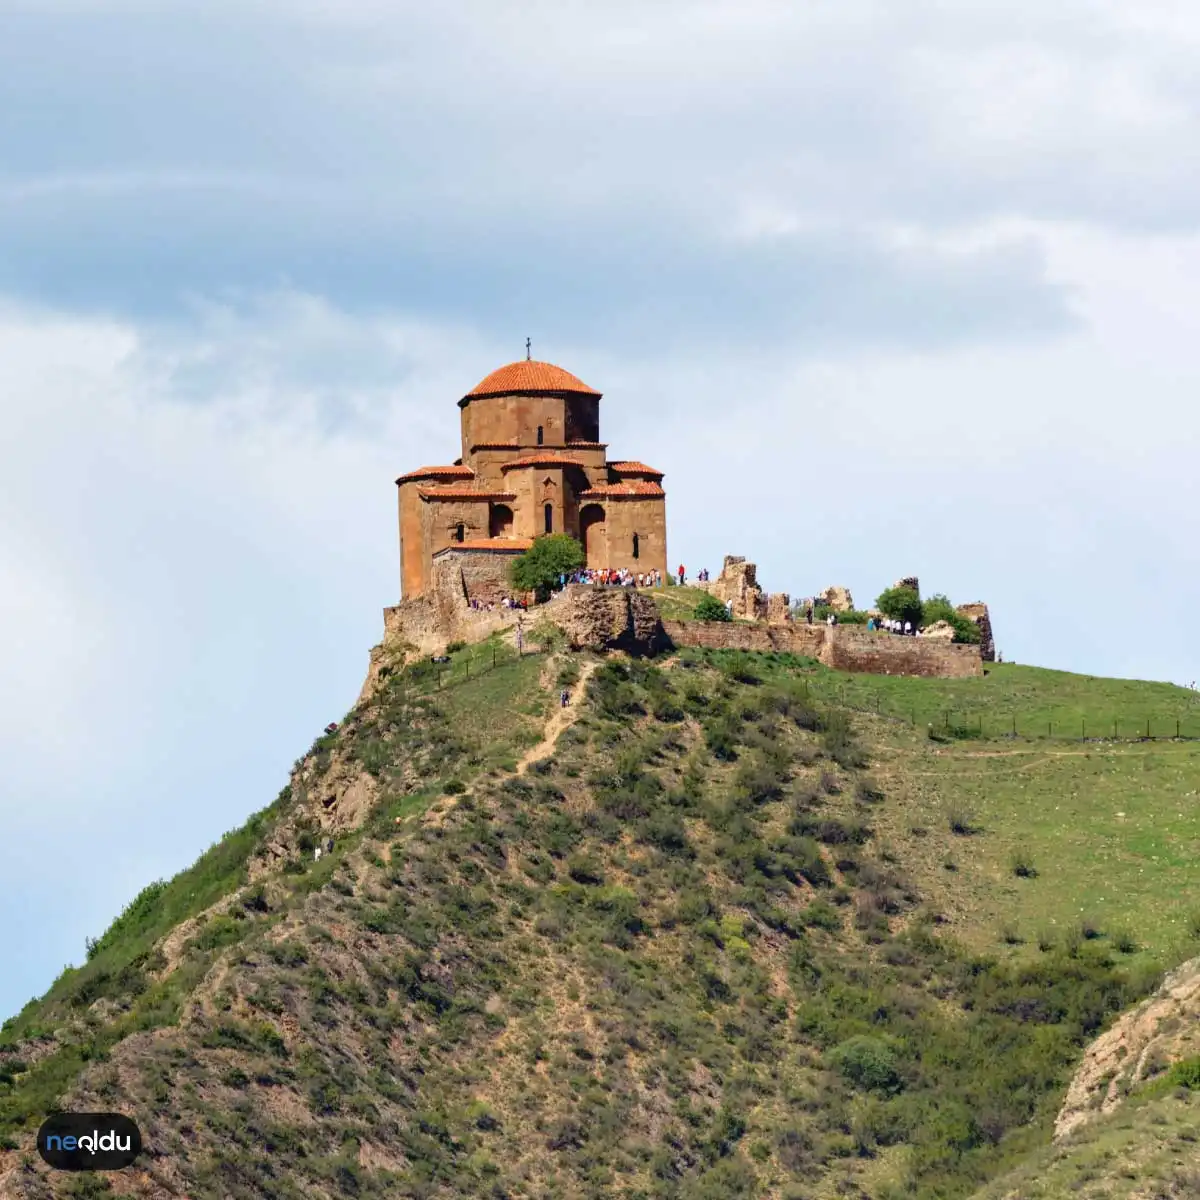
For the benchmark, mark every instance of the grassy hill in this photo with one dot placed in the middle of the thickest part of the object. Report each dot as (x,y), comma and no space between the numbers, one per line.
(706,933)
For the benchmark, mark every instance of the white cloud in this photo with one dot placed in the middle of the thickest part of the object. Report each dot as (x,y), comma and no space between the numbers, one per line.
(871,282)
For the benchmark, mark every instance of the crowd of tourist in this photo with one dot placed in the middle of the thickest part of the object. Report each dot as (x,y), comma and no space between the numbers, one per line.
(889,625)
(491,606)
(621,577)
(874,624)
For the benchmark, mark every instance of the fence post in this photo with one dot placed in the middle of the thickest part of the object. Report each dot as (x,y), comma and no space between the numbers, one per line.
(1177,729)
(1114,729)
(1147,729)
(1083,729)
(1049,728)
(493,655)
(468,664)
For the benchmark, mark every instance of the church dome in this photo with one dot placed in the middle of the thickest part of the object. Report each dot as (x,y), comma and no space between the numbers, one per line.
(527,376)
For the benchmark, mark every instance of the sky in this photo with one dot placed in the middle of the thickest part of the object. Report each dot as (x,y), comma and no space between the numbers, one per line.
(885,287)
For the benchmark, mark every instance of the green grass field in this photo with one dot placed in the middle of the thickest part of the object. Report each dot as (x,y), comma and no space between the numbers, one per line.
(1038,703)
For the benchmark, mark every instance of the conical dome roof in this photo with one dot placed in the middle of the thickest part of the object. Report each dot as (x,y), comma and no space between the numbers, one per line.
(529,376)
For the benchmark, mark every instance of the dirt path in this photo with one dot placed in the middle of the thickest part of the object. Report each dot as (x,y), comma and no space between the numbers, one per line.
(560,720)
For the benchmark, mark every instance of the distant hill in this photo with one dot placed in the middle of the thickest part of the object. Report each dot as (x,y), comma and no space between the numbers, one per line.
(711,931)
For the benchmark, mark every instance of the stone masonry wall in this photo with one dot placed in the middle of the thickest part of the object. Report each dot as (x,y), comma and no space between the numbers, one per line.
(842,647)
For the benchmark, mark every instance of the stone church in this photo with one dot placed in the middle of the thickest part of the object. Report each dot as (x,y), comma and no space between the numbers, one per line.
(532,463)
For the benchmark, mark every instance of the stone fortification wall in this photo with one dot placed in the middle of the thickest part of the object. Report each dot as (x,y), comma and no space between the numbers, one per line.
(444,614)
(842,647)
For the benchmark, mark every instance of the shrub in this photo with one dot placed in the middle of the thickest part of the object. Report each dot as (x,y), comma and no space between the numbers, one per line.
(867,1062)
(1021,863)
(938,608)
(546,635)
(1185,1074)
(901,604)
(837,739)
(867,791)
(540,567)
(960,821)
(455,647)
(711,609)
(583,868)
(1124,942)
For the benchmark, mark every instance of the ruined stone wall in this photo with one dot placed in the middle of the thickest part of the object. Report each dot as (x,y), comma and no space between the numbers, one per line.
(443,614)
(737,584)
(842,647)
(982,618)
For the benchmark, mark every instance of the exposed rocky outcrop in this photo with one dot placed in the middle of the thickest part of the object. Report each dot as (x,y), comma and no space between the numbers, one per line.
(909,581)
(1158,1032)
(610,618)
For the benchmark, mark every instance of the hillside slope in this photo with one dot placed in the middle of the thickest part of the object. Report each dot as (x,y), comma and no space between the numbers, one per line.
(716,943)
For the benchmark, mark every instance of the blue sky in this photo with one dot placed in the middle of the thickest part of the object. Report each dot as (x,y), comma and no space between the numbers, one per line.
(884,288)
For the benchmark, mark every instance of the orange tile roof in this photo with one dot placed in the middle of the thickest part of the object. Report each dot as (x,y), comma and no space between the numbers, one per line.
(627,487)
(633,468)
(515,545)
(526,376)
(548,458)
(588,445)
(496,446)
(455,472)
(463,493)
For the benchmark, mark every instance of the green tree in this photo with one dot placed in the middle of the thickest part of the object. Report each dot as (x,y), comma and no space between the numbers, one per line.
(540,567)
(939,608)
(710,609)
(901,604)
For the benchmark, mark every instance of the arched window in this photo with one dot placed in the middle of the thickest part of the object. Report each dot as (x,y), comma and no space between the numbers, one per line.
(549,511)
(635,545)
(460,532)
(541,439)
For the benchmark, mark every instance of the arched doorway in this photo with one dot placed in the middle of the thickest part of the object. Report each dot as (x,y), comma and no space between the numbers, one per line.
(500,521)
(592,535)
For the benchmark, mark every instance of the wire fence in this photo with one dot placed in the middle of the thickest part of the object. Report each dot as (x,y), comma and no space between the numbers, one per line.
(1061,725)
(429,677)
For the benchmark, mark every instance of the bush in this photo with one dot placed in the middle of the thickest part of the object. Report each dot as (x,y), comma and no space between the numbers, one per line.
(547,636)
(1185,1074)
(960,821)
(901,604)
(711,609)
(938,608)
(868,1063)
(1021,863)
(540,567)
